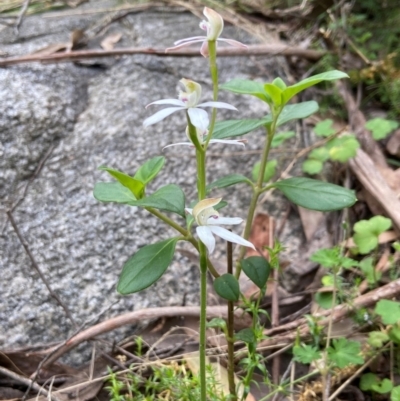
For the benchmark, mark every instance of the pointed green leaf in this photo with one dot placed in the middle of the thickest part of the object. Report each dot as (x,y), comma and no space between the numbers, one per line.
(227,181)
(269,171)
(227,287)
(257,269)
(275,93)
(293,90)
(169,198)
(279,83)
(231,128)
(150,169)
(316,195)
(146,266)
(112,192)
(246,87)
(281,137)
(297,111)
(127,181)
(246,335)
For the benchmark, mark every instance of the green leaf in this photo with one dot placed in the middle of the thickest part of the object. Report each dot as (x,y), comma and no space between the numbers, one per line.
(227,287)
(316,195)
(169,198)
(306,353)
(274,93)
(380,127)
(370,381)
(149,170)
(293,90)
(395,394)
(389,311)
(321,154)
(324,128)
(146,266)
(135,186)
(367,232)
(281,137)
(344,148)
(324,299)
(297,111)
(227,181)
(247,87)
(231,128)
(377,338)
(344,352)
(269,171)
(217,323)
(311,166)
(329,257)
(112,192)
(246,335)
(394,334)
(279,83)
(257,269)
(367,266)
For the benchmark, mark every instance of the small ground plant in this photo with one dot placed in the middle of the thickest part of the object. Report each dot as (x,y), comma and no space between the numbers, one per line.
(169,204)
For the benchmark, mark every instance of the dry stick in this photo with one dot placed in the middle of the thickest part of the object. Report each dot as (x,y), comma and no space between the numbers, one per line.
(255,50)
(37,268)
(27,382)
(338,312)
(132,317)
(21,15)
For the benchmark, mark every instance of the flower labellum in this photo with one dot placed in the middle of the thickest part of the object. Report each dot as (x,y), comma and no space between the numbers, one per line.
(208,221)
(213,26)
(187,100)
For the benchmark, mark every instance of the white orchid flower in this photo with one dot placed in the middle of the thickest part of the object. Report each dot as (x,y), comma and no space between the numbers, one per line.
(214,27)
(202,136)
(208,220)
(187,100)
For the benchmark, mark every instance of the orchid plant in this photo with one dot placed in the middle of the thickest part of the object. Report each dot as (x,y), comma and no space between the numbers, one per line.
(149,263)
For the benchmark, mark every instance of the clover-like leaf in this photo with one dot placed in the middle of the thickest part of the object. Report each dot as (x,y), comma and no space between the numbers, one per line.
(381,127)
(306,353)
(389,311)
(281,137)
(367,232)
(324,128)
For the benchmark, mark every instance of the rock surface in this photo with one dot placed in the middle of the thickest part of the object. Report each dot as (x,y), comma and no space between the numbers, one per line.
(88,116)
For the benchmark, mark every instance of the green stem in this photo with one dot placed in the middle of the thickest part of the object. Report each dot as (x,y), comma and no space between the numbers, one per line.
(257,191)
(230,337)
(169,221)
(203,321)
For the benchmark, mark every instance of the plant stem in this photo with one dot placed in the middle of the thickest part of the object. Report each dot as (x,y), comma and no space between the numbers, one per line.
(257,191)
(203,321)
(230,338)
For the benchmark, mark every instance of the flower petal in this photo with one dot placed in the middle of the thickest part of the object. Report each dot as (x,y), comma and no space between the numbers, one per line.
(229,236)
(173,102)
(215,23)
(212,221)
(229,141)
(199,118)
(185,44)
(179,144)
(204,49)
(206,237)
(193,39)
(160,115)
(233,42)
(205,204)
(188,210)
(217,105)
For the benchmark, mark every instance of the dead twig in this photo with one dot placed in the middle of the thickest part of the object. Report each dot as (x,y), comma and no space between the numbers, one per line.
(132,317)
(255,50)
(28,383)
(37,268)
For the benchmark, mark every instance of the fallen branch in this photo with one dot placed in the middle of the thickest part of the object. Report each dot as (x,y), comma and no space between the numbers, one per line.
(255,50)
(140,315)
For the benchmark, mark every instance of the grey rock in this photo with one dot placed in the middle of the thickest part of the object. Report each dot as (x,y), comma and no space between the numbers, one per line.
(92,117)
